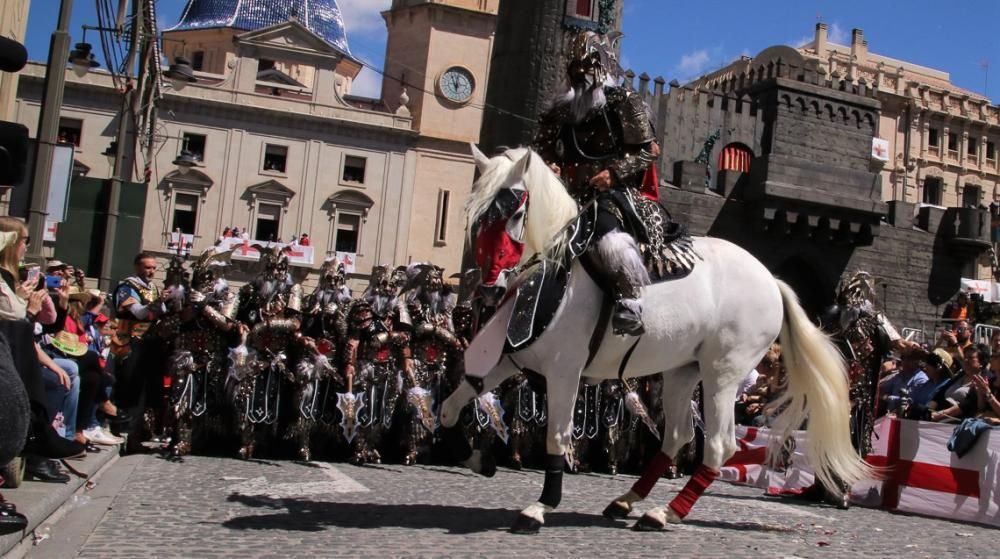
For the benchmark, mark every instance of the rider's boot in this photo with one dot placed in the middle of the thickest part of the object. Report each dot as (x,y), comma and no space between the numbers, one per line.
(621,256)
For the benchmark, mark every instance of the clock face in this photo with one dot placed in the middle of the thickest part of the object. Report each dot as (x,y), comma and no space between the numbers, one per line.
(456,84)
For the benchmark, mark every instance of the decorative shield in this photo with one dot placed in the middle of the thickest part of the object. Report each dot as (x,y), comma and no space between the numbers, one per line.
(421,401)
(490,405)
(349,406)
(638,409)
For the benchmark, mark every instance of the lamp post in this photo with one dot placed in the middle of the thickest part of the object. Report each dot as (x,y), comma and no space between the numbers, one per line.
(48,130)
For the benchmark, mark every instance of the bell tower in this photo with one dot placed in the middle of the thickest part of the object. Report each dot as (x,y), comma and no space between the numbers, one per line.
(438,51)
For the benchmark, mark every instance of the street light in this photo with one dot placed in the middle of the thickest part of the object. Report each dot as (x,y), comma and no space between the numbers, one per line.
(82,59)
(111,152)
(180,73)
(185,161)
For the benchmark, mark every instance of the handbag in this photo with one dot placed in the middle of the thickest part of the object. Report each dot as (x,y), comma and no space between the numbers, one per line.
(11,521)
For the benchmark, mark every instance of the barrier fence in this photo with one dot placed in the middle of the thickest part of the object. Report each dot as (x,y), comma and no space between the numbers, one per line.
(921,475)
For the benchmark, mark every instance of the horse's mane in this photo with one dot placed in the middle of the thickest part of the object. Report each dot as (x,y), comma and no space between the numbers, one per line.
(550,207)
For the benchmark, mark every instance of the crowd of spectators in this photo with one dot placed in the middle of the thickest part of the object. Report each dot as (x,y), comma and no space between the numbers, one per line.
(237,233)
(55,381)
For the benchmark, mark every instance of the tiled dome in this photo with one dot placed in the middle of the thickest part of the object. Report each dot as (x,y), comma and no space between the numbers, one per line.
(322,17)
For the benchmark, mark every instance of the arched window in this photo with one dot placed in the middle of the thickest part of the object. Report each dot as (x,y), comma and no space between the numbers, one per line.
(735,157)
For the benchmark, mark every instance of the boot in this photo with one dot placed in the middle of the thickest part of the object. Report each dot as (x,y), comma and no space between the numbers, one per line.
(622,259)
(627,317)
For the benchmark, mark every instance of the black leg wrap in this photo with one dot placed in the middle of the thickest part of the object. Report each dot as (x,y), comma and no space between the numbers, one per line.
(552,490)
(476,383)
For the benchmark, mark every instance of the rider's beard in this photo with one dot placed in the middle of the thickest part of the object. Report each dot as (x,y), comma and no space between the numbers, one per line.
(582,98)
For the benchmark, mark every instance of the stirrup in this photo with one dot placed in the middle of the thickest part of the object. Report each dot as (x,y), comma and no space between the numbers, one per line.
(626,321)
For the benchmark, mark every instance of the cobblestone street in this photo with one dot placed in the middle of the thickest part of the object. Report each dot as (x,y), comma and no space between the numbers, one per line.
(212,507)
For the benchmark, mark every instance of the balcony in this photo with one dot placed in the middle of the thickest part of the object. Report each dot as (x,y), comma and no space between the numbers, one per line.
(967,229)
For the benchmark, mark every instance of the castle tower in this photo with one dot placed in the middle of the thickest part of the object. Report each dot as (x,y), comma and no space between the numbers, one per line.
(529,58)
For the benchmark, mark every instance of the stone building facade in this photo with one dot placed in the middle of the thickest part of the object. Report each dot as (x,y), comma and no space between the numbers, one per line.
(283,148)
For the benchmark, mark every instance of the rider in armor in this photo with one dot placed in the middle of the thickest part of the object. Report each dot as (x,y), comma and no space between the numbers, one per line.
(599,139)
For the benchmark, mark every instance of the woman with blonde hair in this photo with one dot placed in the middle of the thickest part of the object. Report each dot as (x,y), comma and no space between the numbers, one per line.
(20,303)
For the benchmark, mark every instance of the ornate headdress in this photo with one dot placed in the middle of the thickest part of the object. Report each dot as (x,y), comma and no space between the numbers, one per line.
(273,258)
(593,54)
(209,267)
(176,274)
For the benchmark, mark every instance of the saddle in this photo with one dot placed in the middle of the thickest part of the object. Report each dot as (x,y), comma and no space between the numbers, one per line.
(666,248)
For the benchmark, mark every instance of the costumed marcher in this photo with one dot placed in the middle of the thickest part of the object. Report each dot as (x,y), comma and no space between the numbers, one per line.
(270,306)
(433,345)
(599,139)
(325,323)
(201,333)
(139,354)
(863,334)
(376,353)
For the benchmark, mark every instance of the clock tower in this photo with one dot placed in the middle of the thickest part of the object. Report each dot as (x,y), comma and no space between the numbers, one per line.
(439,51)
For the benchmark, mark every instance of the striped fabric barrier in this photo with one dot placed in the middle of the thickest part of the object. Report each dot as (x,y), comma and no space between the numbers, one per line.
(921,475)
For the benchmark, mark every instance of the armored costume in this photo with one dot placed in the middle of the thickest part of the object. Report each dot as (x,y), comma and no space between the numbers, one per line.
(270,306)
(433,345)
(376,353)
(602,143)
(325,325)
(201,333)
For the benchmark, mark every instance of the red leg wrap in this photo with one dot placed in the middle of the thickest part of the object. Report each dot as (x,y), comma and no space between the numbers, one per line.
(699,482)
(653,472)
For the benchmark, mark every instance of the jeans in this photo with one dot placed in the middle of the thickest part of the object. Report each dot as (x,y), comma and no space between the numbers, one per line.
(61,400)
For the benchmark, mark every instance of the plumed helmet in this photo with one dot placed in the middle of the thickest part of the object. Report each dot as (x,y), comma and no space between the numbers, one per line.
(209,267)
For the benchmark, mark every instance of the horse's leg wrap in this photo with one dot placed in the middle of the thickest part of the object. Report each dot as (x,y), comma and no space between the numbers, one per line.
(699,482)
(653,472)
(552,490)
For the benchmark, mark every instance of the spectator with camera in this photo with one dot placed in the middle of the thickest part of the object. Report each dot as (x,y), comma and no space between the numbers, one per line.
(20,301)
(911,379)
(955,339)
(980,395)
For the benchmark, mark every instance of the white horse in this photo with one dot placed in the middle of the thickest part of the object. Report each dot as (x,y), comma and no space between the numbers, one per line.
(713,326)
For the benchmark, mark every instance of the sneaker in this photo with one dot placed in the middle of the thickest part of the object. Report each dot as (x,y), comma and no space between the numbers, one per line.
(107,431)
(97,435)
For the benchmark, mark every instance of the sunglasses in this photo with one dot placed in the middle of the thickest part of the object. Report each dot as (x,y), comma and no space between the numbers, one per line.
(27,239)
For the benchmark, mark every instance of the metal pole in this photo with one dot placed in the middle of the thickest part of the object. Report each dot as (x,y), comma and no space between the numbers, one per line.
(124,147)
(48,130)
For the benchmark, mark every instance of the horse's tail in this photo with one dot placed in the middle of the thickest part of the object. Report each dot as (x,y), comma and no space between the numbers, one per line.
(817,391)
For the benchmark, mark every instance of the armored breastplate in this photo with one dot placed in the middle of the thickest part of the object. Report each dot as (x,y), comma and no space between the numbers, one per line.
(376,348)
(198,341)
(587,147)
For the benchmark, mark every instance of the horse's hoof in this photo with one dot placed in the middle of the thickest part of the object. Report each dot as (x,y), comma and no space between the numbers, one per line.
(647,523)
(525,525)
(616,511)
